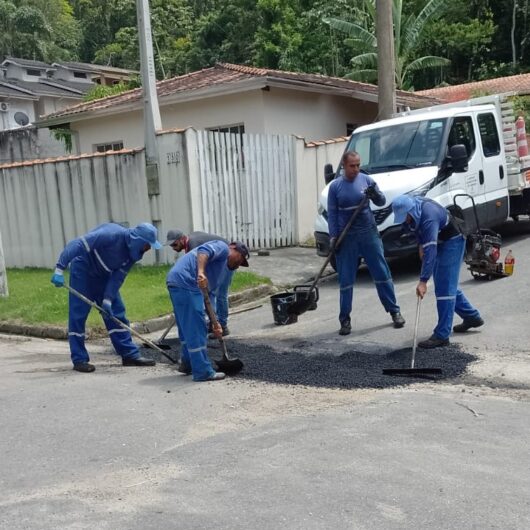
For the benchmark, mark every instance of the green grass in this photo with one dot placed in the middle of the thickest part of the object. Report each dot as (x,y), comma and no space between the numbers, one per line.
(34,300)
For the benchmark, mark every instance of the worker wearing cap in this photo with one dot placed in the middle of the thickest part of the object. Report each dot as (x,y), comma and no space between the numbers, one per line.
(99,262)
(202,267)
(362,239)
(179,241)
(442,250)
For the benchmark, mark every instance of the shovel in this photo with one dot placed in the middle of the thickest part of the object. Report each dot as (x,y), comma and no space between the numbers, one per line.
(159,342)
(303,304)
(120,323)
(226,364)
(418,372)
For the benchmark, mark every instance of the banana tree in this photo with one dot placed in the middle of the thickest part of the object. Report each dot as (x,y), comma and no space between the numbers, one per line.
(407,32)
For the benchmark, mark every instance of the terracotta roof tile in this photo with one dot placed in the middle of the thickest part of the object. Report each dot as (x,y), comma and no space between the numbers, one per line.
(515,83)
(225,74)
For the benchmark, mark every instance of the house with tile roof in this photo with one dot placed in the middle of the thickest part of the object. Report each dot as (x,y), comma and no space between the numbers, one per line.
(29,89)
(230,98)
(515,84)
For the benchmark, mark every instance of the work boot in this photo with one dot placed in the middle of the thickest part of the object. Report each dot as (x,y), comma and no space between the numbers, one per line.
(216,376)
(140,361)
(398,319)
(86,368)
(226,332)
(345,327)
(468,323)
(184,368)
(433,342)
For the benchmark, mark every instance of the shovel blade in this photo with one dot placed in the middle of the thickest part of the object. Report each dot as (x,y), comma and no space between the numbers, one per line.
(413,372)
(229,366)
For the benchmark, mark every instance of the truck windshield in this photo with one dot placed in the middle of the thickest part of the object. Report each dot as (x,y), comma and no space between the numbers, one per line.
(403,146)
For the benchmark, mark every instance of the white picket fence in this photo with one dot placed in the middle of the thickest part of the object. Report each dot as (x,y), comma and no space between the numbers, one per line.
(248,187)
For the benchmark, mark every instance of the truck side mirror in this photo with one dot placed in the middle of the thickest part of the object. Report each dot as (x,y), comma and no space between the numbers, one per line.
(458,158)
(329,174)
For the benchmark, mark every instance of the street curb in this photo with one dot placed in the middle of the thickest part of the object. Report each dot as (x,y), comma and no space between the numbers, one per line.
(147,326)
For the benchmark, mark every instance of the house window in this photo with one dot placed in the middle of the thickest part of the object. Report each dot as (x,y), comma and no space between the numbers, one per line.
(238,129)
(80,75)
(35,73)
(350,127)
(233,129)
(103,148)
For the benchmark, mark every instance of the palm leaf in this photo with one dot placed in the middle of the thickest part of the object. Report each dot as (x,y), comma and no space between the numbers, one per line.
(365,60)
(428,61)
(371,9)
(433,9)
(366,76)
(352,30)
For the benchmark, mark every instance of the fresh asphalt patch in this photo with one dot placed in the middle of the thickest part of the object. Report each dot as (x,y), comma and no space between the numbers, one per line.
(302,364)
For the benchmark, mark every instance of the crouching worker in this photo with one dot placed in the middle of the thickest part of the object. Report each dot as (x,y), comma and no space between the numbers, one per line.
(442,250)
(99,262)
(202,268)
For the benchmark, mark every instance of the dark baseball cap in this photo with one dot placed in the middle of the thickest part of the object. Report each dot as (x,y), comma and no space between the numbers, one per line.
(243,250)
(172,236)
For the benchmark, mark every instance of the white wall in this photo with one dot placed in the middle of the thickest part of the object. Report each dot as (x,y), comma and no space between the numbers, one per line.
(313,116)
(277,111)
(310,161)
(245,107)
(125,127)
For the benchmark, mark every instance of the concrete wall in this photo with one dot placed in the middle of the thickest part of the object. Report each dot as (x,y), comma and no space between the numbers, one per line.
(313,116)
(29,143)
(310,161)
(126,127)
(275,111)
(46,203)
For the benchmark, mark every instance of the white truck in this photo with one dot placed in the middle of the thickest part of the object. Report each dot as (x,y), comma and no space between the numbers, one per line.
(420,153)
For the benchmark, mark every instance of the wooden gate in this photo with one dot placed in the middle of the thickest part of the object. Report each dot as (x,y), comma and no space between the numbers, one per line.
(248,187)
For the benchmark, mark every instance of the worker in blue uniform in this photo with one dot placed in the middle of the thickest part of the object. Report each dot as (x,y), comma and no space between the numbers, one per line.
(201,268)
(179,241)
(441,247)
(362,240)
(99,262)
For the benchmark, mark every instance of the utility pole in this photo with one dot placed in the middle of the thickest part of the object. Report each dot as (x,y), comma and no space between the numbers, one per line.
(3,275)
(386,65)
(152,121)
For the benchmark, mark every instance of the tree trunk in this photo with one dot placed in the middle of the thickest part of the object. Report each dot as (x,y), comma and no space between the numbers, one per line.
(386,66)
(514,51)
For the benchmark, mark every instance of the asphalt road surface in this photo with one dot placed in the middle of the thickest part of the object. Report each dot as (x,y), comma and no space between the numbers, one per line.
(309,435)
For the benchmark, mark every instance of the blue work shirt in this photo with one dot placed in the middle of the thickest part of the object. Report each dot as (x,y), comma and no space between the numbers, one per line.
(107,252)
(184,273)
(428,218)
(343,197)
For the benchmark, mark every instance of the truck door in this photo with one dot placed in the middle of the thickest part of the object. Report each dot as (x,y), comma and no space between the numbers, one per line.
(493,169)
(472,181)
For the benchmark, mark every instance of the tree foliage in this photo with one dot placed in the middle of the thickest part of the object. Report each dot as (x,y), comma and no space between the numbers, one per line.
(480,38)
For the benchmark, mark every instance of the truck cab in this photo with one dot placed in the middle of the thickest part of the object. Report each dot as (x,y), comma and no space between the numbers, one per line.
(413,154)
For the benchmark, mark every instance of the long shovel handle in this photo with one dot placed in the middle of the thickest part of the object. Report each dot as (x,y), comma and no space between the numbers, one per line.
(415,340)
(119,322)
(172,322)
(213,320)
(337,242)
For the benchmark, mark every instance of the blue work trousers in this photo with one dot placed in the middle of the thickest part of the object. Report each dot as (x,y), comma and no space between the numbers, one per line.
(93,287)
(449,298)
(189,315)
(220,297)
(366,243)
